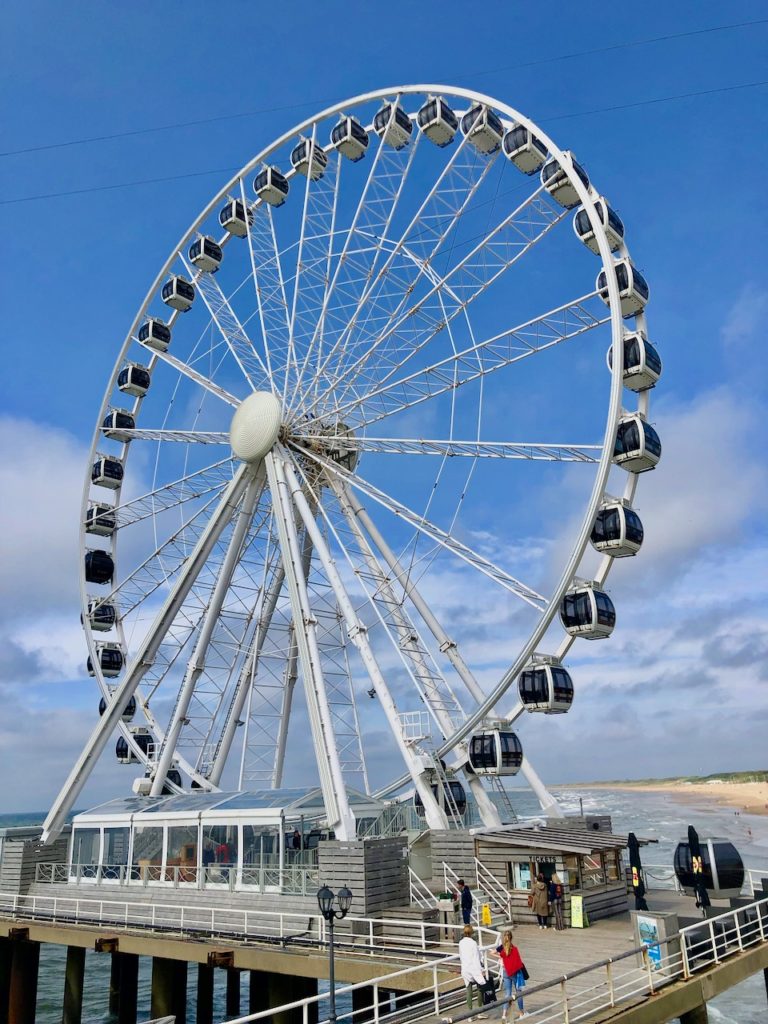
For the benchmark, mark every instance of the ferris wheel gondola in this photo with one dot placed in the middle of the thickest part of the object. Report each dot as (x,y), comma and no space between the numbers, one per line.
(282,522)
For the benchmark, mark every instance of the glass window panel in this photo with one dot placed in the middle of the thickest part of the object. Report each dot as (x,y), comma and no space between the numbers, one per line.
(592,873)
(85,846)
(147,852)
(521,875)
(115,854)
(572,871)
(611,866)
(181,855)
(220,851)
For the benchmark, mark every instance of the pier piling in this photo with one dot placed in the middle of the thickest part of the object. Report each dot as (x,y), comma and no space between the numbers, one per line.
(128,985)
(6,959)
(233,992)
(698,1015)
(22,996)
(268,990)
(169,988)
(74,974)
(204,994)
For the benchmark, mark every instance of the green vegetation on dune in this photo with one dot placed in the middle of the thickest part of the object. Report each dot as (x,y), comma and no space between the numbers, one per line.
(759,775)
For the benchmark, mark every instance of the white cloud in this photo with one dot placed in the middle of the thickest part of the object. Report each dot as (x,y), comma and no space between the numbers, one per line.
(746,315)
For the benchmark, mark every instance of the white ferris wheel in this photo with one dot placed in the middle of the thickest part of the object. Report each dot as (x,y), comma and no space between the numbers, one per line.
(365,384)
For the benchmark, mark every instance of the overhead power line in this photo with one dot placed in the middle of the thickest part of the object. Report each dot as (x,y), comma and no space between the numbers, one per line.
(322,102)
(231,170)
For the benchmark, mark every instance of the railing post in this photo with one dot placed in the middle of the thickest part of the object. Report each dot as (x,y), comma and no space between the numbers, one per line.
(714,942)
(423,936)
(609,974)
(684,952)
(370,933)
(648,970)
(738,931)
(762,905)
(564,996)
(435,990)
(376,1003)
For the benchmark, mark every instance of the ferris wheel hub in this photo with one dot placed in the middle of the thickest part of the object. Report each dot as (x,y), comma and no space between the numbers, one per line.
(255,426)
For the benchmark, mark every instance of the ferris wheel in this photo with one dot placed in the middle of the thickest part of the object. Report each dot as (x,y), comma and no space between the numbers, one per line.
(362,466)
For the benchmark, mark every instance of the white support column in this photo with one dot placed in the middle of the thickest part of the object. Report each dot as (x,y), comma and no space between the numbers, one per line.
(340,817)
(196,665)
(358,634)
(291,674)
(143,660)
(247,677)
(349,500)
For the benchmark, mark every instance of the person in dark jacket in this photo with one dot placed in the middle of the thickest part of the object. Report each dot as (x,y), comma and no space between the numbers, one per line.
(556,893)
(540,902)
(466,901)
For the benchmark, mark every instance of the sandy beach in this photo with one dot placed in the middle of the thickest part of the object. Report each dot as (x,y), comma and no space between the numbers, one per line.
(749,797)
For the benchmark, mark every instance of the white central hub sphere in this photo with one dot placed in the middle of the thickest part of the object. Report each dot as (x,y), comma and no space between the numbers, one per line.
(255,426)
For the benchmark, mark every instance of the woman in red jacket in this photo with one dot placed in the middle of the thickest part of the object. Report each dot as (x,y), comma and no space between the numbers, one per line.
(514,979)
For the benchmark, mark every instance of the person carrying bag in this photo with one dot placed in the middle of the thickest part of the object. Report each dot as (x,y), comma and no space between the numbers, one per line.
(472,970)
(514,975)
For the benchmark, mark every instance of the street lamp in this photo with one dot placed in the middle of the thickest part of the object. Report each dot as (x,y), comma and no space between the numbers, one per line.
(325,900)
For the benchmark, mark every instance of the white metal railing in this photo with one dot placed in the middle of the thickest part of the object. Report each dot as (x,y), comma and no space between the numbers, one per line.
(421,894)
(635,974)
(292,879)
(376,936)
(450,880)
(494,889)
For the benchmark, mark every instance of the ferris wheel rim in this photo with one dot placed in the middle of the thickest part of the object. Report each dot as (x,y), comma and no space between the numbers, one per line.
(599,487)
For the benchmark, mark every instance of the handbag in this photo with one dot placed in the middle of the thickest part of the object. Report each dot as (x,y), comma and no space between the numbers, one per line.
(530,899)
(489,990)
(525,973)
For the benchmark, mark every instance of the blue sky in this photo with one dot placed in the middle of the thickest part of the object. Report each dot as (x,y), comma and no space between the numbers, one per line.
(681,685)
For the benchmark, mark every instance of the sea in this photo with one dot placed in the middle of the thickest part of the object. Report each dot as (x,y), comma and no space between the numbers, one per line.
(658,816)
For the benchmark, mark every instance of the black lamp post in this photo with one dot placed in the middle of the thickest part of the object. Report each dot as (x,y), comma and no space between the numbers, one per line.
(325,900)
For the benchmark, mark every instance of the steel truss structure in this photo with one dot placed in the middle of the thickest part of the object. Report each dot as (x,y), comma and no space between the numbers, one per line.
(313,454)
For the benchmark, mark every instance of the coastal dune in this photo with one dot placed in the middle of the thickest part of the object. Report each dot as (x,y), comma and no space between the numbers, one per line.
(747,797)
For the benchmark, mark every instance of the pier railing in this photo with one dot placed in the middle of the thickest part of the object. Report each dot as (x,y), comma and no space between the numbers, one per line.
(638,973)
(661,877)
(291,879)
(368,935)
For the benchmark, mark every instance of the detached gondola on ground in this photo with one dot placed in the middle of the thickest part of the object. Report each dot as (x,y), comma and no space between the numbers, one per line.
(708,869)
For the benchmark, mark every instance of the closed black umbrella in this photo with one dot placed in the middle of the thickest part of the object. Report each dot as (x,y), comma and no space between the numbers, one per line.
(697,867)
(638,885)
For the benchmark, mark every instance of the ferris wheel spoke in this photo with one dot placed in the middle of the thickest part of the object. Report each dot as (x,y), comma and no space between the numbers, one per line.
(268,281)
(571,320)
(416,326)
(356,261)
(437,216)
(186,436)
(231,330)
(192,374)
(433,532)
(203,482)
(522,450)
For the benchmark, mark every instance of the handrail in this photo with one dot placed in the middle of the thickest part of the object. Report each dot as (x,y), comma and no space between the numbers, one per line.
(421,894)
(494,888)
(664,873)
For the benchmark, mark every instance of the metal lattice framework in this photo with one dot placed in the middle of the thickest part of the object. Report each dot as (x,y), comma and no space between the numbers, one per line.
(328,438)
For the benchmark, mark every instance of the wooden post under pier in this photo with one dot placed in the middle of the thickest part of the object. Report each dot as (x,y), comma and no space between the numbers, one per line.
(128,985)
(169,988)
(6,959)
(22,996)
(233,993)
(204,994)
(268,989)
(74,975)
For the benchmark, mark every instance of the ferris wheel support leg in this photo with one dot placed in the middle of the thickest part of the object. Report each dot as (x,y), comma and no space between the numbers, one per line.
(489,813)
(247,677)
(197,663)
(291,674)
(340,817)
(545,798)
(143,660)
(358,634)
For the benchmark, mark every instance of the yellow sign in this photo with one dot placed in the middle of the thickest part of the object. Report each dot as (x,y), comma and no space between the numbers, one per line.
(485,915)
(579,917)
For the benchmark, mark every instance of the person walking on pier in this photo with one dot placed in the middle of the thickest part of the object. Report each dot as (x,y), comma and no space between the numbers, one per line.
(541,901)
(472,970)
(556,892)
(466,901)
(513,975)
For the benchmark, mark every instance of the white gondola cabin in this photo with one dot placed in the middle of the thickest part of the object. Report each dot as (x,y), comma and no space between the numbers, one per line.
(178,293)
(545,686)
(141,737)
(155,333)
(483,128)
(557,180)
(633,288)
(393,126)
(637,448)
(127,715)
(102,615)
(613,226)
(308,158)
(134,379)
(110,660)
(438,121)
(495,752)
(205,253)
(116,424)
(618,531)
(722,868)
(642,363)
(350,139)
(524,150)
(453,799)
(99,567)
(232,217)
(271,186)
(588,612)
(100,519)
(107,471)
